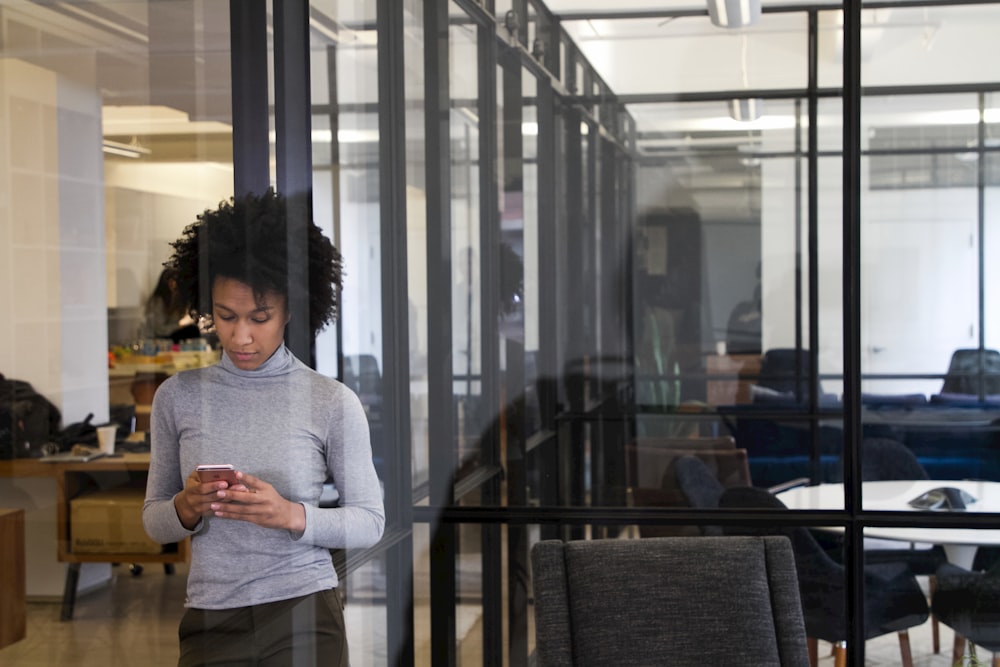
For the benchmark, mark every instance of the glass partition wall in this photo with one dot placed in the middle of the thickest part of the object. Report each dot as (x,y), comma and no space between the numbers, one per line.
(585,250)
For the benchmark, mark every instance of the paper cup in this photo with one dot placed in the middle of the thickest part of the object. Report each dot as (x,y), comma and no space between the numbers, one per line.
(106,438)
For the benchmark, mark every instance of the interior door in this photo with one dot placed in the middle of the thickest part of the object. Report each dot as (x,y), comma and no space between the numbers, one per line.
(919,295)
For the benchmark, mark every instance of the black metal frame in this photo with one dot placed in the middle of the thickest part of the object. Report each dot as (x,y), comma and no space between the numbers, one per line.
(853,536)
(251,146)
(440,371)
(395,319)
(293,152)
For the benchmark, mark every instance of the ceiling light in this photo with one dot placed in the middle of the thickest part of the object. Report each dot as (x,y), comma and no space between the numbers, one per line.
(733,13)
(746,110)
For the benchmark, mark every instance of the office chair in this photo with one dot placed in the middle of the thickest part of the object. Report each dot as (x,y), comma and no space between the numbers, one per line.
(893,601)
(682,601)
(969,603)
(701,488)
(785,370)
(973,371)
(888,459)
(653,482)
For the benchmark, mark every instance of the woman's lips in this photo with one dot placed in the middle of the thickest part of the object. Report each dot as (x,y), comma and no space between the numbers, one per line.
(243,356)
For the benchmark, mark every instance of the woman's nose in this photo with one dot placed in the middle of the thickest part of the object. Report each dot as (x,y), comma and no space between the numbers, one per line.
(241,333)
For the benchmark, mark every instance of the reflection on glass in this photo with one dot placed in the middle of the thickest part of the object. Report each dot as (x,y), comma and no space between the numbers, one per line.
(529,307)
(346,203)
(416,233)
(921,234)
(465,238)
(117,133)
(116,128)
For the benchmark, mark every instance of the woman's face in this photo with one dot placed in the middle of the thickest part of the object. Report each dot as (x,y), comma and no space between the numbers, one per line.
(249,330)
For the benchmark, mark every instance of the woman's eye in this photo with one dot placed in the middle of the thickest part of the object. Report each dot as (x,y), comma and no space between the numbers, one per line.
(261,320)
(226,318)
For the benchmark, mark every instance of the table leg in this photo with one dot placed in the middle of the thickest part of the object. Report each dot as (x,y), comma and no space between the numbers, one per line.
(961,555)
(69,592)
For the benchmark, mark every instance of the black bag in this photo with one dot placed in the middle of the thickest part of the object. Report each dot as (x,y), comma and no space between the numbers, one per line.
(79,433)
(29,422)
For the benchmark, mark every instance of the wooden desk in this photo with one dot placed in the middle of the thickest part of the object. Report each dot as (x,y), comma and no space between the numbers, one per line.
(73,479)
(13,598)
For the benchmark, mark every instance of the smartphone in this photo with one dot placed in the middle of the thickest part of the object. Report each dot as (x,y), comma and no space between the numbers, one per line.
(216,472)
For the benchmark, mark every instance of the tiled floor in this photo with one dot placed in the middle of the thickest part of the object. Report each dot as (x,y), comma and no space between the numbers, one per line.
(133,621)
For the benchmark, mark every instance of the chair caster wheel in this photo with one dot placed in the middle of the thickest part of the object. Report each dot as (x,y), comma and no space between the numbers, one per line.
(135,569)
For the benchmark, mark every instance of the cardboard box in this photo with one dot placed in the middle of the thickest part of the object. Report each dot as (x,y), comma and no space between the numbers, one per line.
(109,522)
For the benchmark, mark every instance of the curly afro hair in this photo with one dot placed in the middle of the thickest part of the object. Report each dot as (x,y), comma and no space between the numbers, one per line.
(246,239)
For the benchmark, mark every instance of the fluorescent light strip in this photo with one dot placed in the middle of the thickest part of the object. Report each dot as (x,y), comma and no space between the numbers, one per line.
(124,150)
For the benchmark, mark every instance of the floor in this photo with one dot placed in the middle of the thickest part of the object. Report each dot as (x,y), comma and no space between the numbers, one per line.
(133,621)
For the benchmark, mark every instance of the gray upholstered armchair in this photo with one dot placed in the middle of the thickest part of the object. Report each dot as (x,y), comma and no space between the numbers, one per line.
(667,601)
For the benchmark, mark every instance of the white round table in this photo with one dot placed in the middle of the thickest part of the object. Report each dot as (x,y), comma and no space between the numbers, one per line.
(959,544)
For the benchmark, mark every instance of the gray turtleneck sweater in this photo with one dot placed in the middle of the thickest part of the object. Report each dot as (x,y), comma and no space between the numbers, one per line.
(291,427)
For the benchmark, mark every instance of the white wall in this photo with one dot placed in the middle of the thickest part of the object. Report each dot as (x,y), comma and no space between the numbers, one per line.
(148,206)
(52,268)
(919,291)
(52,234)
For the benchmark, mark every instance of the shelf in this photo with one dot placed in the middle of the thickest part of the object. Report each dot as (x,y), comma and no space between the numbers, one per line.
(75,479)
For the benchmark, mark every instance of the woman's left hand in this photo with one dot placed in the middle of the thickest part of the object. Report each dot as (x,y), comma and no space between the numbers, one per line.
(260,504)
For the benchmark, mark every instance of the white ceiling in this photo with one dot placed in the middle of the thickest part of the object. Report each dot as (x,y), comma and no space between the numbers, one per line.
(901,46)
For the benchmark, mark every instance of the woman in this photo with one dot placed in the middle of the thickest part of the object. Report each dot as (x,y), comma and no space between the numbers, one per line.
(166,316)
(261,586)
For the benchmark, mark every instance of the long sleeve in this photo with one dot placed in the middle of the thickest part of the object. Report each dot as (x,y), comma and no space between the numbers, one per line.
(294,429)
(359,521)
(159,517)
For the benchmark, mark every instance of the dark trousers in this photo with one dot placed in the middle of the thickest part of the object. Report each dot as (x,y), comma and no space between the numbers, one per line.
(301,632)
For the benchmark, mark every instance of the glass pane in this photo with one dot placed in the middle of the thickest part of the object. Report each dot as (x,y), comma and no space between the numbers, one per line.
(830,129)
(991,230)
(466,298)
(416,245)
(346,199)
(830,240)
(501,7)
(529,208)
(913,45)
(830,47)
(927,385)
(921,45)
(364,613)
(346,205)
(116,128)
(770,55)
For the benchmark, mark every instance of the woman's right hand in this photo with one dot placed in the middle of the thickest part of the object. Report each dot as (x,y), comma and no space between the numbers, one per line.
(196,498)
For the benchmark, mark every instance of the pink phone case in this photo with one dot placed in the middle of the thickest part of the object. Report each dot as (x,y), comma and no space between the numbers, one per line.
(216,473)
